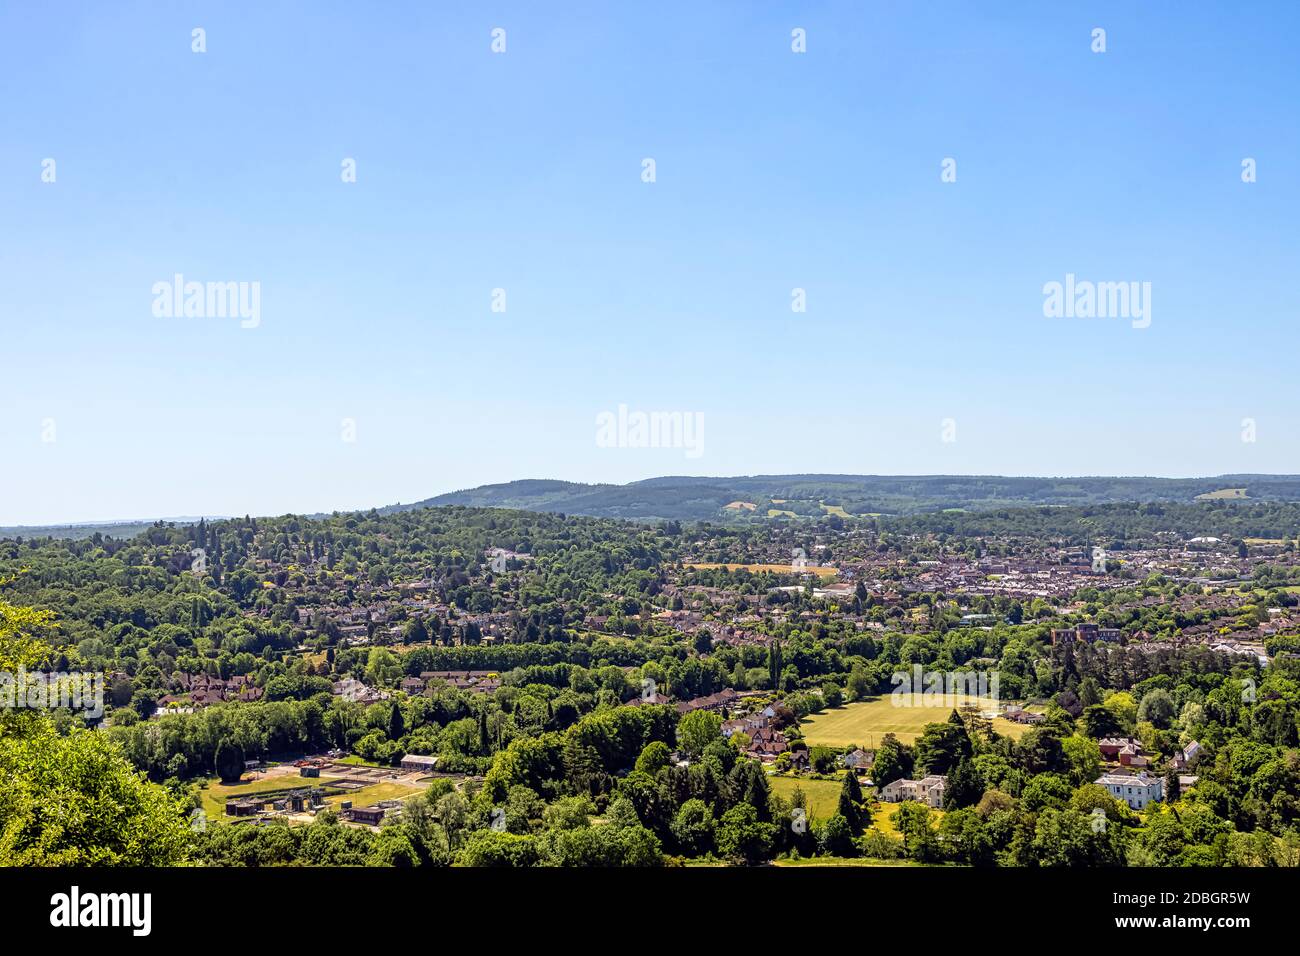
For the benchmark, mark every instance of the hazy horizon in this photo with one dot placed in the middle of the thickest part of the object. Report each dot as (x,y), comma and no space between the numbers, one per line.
(236,513)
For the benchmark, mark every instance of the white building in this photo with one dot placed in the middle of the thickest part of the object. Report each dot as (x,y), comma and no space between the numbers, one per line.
(928,790)
(1137,790)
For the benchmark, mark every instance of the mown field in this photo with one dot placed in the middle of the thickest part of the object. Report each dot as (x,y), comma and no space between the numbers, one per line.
(823,795)
(774,568)
(865,723)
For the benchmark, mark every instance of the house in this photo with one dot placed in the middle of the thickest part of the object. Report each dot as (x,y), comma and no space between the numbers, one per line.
(411,685)
(649,700)
(719,701)
(1086,633)
(1111,746)
(766,743)
(1186,758)
(352,689)
(1021,716)
(1137,790)
(419,762)
(1132,756)
(928,790)
(859,760)
(478,682)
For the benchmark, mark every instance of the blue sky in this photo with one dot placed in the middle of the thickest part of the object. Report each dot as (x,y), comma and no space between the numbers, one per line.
(523,171)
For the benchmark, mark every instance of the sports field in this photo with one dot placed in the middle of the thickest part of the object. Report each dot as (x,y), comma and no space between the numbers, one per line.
(865,723)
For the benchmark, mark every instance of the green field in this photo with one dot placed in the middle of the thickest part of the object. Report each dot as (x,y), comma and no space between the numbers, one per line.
(823,795)
(215,794)
(883,815)
(841,861)
(865,723)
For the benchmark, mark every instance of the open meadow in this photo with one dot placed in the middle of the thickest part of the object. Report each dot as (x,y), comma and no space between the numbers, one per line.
(821,572)
(865,723)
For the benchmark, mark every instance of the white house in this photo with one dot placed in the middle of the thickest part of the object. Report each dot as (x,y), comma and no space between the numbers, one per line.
(859,760)
(928,790)
(1137,790)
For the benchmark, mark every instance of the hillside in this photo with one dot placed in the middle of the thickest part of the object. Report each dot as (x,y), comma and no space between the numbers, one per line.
(705,498)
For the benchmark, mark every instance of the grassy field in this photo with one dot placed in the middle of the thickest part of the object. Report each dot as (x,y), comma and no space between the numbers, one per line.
(368,796)
(214,796)
(774,568)
(865,723)
(837,510)
(841,861)
(883,815)
(1222,493)
(823,795)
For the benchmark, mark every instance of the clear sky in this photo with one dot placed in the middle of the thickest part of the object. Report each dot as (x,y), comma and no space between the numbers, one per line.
(523,171)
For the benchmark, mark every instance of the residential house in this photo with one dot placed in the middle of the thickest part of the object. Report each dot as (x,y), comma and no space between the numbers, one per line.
(1187,758)
(1137,790)
(1111,746)
(928,790)
(859,760)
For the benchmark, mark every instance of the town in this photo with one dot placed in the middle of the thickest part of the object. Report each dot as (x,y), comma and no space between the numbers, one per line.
(437,684)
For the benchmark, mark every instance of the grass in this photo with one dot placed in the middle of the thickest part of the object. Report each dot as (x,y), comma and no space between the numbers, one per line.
(837,510)
(865,723)
(214,796)
(885,815)
(1221,494)
(352,760)
(841,861)
(780,512)
(823,795)
(774,568)
(368,796)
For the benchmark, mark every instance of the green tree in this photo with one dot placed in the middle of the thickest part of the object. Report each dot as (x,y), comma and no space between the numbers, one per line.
(229,761)
(743,838)
(697,730)
(852,808)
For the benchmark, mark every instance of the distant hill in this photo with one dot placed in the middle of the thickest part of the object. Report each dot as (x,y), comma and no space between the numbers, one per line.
(795,497)
(85,529)
(780,496)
